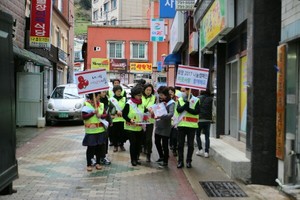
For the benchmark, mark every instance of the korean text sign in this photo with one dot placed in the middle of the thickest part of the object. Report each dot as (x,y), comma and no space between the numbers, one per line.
(167,8)
(157,30)
(40,23)
(91,81)
(192,77)
(141,67)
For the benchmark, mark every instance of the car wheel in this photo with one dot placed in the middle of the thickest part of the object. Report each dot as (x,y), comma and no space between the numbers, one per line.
(48,123)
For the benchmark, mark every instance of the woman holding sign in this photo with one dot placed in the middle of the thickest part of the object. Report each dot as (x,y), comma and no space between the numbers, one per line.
(95,134)
(117,104)
(163,124)
(133,113)
(186,120)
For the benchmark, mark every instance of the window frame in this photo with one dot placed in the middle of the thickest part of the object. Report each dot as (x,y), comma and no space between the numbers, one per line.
(145,50)
(115,42)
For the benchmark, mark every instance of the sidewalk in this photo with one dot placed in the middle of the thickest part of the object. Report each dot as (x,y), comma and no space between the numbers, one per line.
(52,166)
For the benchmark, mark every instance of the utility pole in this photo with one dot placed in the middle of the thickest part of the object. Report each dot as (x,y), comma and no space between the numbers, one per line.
(154,48)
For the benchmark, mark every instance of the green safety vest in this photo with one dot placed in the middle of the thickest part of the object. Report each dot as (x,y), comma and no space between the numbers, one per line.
(136,116)
(121,104)
(189,120)
(147,102)
(93,125)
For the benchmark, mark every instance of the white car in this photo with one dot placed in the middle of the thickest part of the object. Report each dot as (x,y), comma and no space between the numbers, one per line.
(65,104)
(125,87)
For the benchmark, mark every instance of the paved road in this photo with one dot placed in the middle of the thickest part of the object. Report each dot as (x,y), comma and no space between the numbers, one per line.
(52,166)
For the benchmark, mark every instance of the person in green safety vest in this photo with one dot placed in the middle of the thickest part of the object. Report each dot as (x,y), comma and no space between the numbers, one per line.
(94,115)
(133,113)
(116,82)
(117,104)
(186,120)
(148,99)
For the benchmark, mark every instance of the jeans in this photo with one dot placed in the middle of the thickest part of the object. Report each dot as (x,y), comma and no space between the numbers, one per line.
(205,126)
(190,133)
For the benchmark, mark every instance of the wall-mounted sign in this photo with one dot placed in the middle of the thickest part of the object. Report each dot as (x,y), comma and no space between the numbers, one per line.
(40,21)
(185,5)
(118,65)
(141,67)
(167,8)
(177,32)
(100,63)
(157,30)
(193,42)
(218,20)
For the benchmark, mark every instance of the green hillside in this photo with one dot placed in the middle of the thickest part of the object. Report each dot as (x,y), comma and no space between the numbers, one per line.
(82,17)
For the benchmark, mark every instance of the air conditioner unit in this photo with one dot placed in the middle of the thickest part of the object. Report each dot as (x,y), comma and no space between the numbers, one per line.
(97,48)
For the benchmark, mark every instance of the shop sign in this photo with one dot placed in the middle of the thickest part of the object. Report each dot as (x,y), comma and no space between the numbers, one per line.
(185,5)
(192,77)
(141,67)
(167,8)
(40,21)
(100,63)
(157,30)
(280,105)
(177,33)
(118,65)
(243,94)
(193,42)
(218,21)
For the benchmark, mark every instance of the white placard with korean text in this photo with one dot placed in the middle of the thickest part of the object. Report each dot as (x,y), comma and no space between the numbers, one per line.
(91,81)
(192,77)
(159,109)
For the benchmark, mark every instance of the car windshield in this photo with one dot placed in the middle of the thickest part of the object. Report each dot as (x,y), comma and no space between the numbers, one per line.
(66,93)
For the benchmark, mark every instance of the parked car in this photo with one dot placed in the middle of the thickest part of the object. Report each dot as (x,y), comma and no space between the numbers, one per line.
(64,104)
(125,87)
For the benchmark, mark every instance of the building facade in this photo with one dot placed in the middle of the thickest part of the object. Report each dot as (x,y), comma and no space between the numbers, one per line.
(122,13)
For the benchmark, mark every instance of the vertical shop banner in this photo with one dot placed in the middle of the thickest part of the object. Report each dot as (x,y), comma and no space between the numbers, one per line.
(91,81)
(192,77)
(280,105)
(40,23)
(118,65)
(243,94)
(167,9)
(140,68)
(100,63)
(157,30)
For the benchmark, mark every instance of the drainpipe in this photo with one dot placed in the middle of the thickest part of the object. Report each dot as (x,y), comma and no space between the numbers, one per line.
(286,187)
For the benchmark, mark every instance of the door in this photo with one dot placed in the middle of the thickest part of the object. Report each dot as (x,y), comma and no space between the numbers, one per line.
(232,96)
(29,98)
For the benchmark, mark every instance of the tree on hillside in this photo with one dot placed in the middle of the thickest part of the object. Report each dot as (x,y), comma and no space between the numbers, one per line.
(86,4)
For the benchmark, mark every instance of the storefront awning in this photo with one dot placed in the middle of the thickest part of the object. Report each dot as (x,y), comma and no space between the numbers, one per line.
(28,55)
(172,59)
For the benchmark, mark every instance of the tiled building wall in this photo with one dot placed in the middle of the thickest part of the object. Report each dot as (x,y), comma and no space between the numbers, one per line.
(17,9)
(290,22)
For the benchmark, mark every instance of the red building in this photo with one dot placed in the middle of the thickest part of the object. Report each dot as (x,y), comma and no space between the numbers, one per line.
(130,47)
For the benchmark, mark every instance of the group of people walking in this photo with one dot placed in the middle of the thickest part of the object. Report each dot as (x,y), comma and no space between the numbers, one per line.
(111,116)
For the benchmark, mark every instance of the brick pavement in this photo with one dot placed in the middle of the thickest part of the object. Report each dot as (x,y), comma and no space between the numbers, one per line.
(52,166)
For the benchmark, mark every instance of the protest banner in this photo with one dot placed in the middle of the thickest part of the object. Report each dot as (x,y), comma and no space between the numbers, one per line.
(91,81)
(192,77)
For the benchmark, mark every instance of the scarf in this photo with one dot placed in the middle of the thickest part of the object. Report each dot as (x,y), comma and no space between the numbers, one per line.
(118,97)
(136,101)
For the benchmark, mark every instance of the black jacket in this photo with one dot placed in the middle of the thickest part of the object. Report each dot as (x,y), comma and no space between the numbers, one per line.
(205,107)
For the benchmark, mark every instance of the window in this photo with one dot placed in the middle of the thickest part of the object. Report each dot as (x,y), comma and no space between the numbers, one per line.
(139,50)
(95,15)
(58,39)
(115,49)
(59,5)
(105,7)
(113,4)
(113,22)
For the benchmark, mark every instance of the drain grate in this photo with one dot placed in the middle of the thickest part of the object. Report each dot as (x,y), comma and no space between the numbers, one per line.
(222,189)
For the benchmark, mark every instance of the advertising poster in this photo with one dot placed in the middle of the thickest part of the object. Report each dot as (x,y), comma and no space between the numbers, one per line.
(140,67)
(118,65)
(157,30)
(243,94)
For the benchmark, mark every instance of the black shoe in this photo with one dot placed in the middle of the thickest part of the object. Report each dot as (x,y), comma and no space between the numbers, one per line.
(148,158)
(180,165)
(134,163)
(160,160)
(139,163)
(188,165)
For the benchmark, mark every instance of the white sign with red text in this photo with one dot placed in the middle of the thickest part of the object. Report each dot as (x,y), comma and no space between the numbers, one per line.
(192,77)
(91,81)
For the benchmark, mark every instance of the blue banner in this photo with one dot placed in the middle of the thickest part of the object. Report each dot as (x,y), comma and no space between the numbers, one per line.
(167,9)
